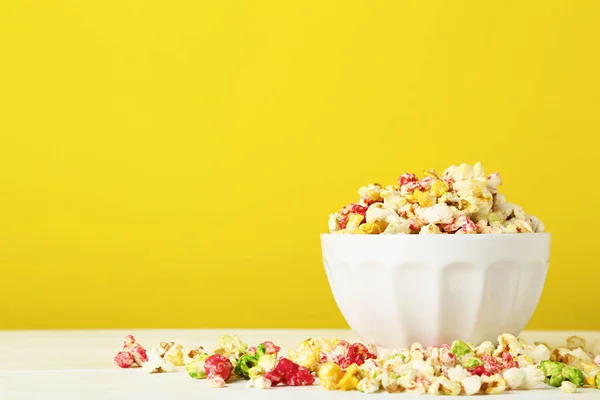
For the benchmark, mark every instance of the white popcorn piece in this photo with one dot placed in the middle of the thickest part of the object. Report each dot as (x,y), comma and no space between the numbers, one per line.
(507,342)
(523,226)
(380,212)
(534,378)
(536,224)
(458,373)
(471,385)
(260,383)
(391,382)
(537,353)
(334,222)
(401,226)
(393,199)
(494,180)
(366,385)
(430,230)
(568,387)
(437,214)
(217,382)
(514,377)
(156,363)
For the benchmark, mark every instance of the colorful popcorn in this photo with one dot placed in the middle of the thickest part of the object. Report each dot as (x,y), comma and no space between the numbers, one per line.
(195,367)
(463,200)
(132,354)
(218,369)
(458,368)
(288,373)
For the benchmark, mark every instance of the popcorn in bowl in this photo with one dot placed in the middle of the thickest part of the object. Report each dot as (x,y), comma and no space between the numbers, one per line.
(463,200)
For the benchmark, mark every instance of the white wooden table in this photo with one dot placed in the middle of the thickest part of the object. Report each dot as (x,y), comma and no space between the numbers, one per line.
(67,365)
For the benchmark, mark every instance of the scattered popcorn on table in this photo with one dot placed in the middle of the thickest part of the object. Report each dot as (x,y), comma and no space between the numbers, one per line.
(193,353)
(172,352)
(231,347)
(156,363)
(448,369)
(463,200)
(218,369)
(288,373)
(195,367)
(132,354)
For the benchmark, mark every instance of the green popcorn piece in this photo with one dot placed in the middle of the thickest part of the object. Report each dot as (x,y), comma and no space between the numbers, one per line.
(556,380)
(472,362)
(397,355)
(598,381)
(551,368)
(574,375)
(244,364)
(195,368)
(261,350)
(460,348)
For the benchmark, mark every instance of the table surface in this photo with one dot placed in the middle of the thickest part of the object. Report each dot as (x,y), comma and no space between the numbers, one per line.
(79,365)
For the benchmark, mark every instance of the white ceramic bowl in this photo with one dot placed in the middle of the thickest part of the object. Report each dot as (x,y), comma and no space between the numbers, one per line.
(394,290)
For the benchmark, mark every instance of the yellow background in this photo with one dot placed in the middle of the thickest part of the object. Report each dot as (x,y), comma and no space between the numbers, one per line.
(171,164)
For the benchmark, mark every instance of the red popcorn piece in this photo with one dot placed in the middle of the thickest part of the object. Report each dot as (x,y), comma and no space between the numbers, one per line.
(357,354)
(136,354)
(124,359)
(406,178)
(271,348)
(509,361)
(287,372)
(252,350)
(491,364)
(218,368)
(480,370)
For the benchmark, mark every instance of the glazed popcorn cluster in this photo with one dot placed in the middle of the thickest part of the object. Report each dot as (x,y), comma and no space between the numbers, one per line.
(463,200)
(450,369)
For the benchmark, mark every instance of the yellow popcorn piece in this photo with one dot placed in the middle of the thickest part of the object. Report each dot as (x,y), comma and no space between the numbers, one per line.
(493,384)
(354,221)
(329,375)
(172,352)
(443,386)
(590,381)
(306,356)
(439,188)
(425,199)
(351,378)
(373,228)
(371,192)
